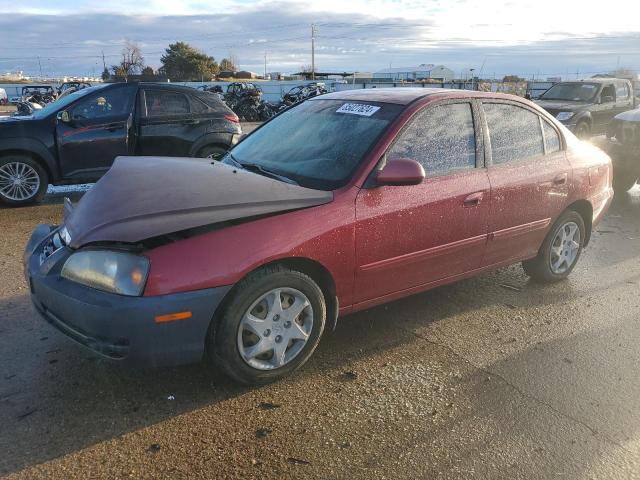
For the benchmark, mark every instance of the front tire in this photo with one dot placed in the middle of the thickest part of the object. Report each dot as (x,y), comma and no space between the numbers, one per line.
(270,326)
(560,250)
(23,181)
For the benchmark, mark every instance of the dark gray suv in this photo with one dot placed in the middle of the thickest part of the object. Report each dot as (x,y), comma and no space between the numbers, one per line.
(587,107)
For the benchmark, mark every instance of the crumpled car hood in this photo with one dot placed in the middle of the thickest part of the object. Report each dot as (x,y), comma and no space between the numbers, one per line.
(629,116)
(144,197)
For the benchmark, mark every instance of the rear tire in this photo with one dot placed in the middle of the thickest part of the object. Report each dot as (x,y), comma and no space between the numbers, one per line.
(562,242)
(23,181)
(256,339)
(214,152)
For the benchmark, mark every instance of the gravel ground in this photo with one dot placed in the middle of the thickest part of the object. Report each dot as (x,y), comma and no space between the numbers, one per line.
(493,377)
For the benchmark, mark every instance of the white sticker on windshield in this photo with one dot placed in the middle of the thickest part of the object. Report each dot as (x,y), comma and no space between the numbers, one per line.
(358,109)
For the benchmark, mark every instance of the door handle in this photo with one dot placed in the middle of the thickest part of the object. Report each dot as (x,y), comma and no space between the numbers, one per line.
(560,179)
(114,126)
(473,200)
(190,122)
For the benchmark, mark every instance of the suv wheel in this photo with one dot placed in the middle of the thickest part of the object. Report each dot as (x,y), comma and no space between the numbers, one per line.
(269,328)
(583,130)
(23,181)
(560,250)
(214,152)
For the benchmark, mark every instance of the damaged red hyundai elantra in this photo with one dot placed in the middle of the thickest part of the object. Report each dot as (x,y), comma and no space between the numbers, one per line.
(346,201)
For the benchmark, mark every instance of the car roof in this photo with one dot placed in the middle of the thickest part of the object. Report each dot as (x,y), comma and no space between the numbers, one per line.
(168,86)
(596,80)
(397,95)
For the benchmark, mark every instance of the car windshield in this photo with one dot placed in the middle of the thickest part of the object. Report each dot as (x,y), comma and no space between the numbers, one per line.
(65,101)
(325,141)
(572,92)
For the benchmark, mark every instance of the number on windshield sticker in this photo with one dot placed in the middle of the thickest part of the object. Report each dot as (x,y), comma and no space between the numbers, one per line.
(358,109)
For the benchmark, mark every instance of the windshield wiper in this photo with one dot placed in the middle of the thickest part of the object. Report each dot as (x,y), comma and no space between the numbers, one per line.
(257,168)
(265,171)
(233,161)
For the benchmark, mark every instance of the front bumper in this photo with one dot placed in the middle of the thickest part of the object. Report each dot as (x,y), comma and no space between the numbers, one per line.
(115,326)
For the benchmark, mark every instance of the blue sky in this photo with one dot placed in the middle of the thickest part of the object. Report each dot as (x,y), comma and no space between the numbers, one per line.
(542,38)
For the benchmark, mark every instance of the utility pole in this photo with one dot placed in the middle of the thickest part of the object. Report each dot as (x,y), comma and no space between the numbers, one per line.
(40,65)
(313,52)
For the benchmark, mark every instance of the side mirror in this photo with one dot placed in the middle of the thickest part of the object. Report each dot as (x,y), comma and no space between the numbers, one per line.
(64,116)
(401,171)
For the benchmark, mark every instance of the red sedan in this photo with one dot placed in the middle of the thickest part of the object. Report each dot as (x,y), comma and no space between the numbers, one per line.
(346,201)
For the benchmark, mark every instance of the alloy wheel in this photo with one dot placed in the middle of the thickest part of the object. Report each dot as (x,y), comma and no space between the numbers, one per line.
(564,248)
(18,181)
(275,328)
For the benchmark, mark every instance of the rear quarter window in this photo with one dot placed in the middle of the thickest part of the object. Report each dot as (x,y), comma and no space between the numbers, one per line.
(514,132)
(551,137)
(206,103)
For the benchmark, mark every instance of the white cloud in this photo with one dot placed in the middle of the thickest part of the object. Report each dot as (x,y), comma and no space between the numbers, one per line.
(547,36)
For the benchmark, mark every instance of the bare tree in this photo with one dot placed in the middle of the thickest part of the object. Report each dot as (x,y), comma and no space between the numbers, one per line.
(132,61)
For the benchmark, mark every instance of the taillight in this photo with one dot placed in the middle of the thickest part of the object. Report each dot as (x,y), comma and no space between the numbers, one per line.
(232,117)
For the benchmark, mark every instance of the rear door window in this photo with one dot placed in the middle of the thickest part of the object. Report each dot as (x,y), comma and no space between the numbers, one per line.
(166,104)
(441,138)
(608,94)
(514,132)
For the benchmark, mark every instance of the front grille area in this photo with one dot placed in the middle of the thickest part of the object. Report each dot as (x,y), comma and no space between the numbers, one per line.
(51,246)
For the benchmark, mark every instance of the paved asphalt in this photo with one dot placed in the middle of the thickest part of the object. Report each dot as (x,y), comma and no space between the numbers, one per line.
(493,377)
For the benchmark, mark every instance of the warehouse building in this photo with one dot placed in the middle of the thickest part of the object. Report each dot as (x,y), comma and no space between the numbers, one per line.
(412,74)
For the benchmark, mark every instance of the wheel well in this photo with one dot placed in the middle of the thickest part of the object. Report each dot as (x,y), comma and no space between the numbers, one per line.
(585,210)
(322,277)
(313,269)
(35,157)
